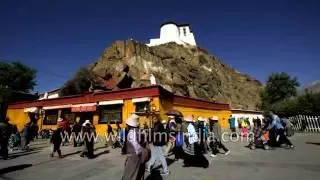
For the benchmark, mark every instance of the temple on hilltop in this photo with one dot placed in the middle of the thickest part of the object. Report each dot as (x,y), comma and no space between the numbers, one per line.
(173,32)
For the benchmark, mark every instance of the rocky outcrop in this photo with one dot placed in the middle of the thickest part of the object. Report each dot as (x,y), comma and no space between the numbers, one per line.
(188,71)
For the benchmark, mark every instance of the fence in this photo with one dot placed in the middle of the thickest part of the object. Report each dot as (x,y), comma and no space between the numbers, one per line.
(306,123)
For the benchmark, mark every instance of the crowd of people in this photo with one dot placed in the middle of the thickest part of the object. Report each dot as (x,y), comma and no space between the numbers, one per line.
(185,138)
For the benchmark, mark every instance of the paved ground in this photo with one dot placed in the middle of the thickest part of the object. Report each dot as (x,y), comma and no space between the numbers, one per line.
(242,163)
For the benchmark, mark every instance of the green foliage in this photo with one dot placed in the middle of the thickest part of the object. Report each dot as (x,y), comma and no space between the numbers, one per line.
(279,87)
(14,77)
(308,104)
(79,84)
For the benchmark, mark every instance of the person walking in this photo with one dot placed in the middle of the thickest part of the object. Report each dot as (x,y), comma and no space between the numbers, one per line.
(5,132)
(216,142)
(193,154)
(202,135)
(26,136)
(171,129)
(280,131)
(56,141)
(159,136)
(64,124)
(232,124)
(110,134)
(136,153)
(88,136)
(76,129)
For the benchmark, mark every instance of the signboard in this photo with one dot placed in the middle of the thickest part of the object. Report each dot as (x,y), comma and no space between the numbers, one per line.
(84,109)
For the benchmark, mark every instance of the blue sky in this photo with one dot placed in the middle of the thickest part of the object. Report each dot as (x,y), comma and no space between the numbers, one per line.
(255,37)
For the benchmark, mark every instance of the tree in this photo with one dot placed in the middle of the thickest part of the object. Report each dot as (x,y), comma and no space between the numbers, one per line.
(279,86)
(14,77)
(79,84)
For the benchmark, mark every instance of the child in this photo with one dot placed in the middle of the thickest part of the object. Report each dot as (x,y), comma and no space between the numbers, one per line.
(244,128)
(259,140)
(56,141)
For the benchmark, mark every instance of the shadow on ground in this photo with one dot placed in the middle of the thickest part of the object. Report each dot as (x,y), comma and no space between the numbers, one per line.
(102,147)
(313,143)
(16,155)
(14,168)
(101,153)
(155,175)
(70,154)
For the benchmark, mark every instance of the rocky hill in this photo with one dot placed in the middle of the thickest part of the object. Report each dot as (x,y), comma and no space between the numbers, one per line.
(187,71)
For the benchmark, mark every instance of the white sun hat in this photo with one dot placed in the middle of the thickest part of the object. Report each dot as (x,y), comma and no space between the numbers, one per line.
(201,119)
(188,119)
(133,121)
(86,123)
(214,118)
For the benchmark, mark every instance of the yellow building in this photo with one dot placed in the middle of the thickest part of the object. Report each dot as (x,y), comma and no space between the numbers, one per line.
(114,106)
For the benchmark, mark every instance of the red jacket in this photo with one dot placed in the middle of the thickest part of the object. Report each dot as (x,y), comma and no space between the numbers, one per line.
(65,125)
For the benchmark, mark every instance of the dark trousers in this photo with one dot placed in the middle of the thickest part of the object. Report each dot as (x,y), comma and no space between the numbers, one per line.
(283,138)
(273,138)
(88,149)
(4,148)
(56,148)
(203,146)
(178,152)
(216,145)
(233,131)
(75,140)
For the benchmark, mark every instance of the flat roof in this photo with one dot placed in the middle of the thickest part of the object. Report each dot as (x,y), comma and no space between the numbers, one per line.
(149,91)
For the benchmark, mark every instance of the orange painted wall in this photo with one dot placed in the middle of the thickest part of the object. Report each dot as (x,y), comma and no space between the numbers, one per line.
(223,115)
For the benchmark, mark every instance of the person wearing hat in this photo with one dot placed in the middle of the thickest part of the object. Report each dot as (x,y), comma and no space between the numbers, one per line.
(193,154)
(137,152)
(159,136)
(135,162)
(88,134)
(217,138)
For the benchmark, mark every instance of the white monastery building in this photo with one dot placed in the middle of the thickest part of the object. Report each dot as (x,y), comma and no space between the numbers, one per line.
(172,32)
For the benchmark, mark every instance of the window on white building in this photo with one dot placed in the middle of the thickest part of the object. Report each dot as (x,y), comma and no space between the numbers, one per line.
(184,32)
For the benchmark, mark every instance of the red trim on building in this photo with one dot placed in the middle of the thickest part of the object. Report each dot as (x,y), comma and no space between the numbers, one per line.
(150,91)
(198,103)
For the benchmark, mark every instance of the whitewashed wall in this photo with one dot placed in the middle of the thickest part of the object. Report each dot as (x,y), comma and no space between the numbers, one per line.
(172,33)
(189,38)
